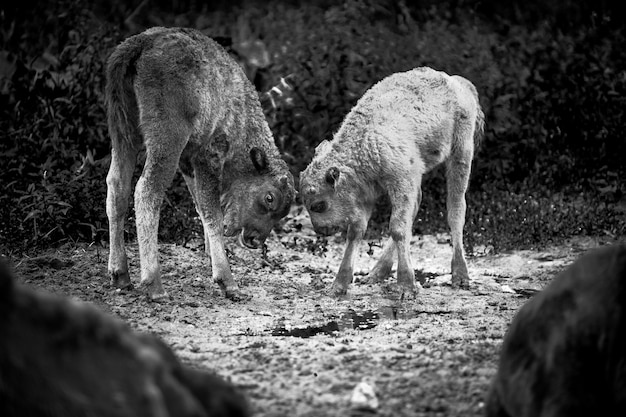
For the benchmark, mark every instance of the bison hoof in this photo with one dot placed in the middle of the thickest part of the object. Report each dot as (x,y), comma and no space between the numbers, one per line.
(409,292)
(231,290)
(236,295)
(337,290)
(378,274)
(154,291)
(460,283)
(375,278)
(121,280)
(160,297)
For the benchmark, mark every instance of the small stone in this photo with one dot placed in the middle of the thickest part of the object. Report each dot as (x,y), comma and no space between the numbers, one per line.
(364,397)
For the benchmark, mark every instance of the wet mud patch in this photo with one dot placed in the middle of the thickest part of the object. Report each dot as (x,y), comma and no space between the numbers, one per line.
(345,321)
(295,351)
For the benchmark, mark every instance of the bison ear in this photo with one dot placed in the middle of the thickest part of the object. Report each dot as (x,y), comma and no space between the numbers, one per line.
(319,149)
(259,159)
(332,175)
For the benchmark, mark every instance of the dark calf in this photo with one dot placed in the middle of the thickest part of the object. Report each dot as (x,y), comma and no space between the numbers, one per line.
(565,352)
(177,95)
(63,358)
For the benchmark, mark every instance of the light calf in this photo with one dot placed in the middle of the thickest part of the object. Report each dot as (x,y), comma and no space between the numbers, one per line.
(179,96)
(564,354)
(401,128)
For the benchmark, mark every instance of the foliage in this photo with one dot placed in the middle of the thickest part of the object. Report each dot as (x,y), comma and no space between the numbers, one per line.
(53,124)
(505,220)
(552,90)
(55,149)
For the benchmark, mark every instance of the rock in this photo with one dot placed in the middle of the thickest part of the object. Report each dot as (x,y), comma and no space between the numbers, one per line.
(364,397)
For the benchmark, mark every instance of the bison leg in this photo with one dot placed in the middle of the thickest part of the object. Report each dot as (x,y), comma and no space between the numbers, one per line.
(346,269)
(119,182)
(191,186)
(383,267)
(457,178)
(208,206)
(404,204)
(157,175)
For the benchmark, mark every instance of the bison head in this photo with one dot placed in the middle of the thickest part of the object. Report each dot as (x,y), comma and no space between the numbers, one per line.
(253,202)
(333,195)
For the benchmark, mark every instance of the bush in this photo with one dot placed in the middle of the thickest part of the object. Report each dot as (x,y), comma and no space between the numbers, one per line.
(568,128)
(54,130)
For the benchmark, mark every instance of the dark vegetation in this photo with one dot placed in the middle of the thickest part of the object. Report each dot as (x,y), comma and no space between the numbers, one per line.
(551,77)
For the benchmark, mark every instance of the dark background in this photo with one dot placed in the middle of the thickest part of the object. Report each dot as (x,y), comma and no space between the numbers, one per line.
(551,78)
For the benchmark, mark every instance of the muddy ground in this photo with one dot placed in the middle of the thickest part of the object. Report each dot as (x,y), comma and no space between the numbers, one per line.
(293,350)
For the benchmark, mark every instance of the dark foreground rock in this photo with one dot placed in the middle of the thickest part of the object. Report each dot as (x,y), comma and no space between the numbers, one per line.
(60,357)
(565,352)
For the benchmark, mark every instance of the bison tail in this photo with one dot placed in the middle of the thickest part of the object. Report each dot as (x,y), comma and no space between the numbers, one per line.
(480,126)
(480,116)
(121,102)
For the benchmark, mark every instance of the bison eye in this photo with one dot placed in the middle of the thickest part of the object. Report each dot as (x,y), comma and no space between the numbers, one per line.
(319,207)
(269,198)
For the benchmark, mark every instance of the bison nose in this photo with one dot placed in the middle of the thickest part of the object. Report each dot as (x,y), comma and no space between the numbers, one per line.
(319,207)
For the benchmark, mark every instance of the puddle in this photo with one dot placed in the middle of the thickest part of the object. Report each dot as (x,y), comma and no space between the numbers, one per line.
(348,320)
(352,319)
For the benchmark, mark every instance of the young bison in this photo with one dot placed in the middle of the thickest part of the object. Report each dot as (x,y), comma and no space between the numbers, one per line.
(177,94)
(63,358)
(565,351)
(401,128)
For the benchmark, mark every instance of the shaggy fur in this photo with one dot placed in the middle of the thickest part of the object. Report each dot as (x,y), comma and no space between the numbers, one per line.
(401,128)
(565,351)
(178,95)
(64,358)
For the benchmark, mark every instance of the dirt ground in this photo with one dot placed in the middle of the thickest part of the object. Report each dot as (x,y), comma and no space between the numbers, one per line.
(293,350)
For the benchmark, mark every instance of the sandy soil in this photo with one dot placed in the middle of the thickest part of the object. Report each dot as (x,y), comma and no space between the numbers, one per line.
(293,350)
